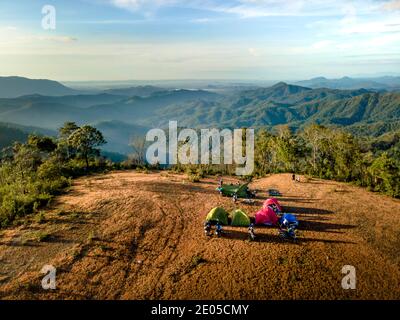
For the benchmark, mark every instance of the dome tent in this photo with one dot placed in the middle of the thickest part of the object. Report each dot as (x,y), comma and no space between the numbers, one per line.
(240,219)
(218,214)
(266,216)
(288,219)
(272,202)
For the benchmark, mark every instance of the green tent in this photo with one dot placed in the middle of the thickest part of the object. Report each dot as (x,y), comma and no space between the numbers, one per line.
(240,219)
(218,214)
(242,191)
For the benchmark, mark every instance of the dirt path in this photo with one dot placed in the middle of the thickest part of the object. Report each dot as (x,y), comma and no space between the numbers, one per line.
(128,235)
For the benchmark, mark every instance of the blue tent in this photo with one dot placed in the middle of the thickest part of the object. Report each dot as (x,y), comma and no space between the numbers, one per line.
(288,219)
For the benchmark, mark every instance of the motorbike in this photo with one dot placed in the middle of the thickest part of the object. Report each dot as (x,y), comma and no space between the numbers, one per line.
(288,233)
(207,229)
(252,236)
(218,231)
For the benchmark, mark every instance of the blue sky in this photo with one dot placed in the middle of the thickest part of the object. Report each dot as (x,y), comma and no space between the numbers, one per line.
(193,39)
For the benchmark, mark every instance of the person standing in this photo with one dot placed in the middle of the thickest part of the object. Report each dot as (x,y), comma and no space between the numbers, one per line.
(252,235)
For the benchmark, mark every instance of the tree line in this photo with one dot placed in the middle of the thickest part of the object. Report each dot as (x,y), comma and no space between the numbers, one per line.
(330,153)
(322,152)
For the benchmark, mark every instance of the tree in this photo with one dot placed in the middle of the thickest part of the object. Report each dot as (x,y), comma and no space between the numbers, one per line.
(287,149)
(386,175)
(42,144)
(138,145)
(264,152)
(85,140)
(67,129)
(65,151)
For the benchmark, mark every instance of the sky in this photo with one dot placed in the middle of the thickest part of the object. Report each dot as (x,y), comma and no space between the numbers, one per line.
(200,39)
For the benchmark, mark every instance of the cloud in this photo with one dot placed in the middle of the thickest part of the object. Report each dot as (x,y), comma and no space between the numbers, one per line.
(321,45)
(128,4)
(64,39)
(392,5)
(201,20)
(371,27)
(136,5)
(10,28)
(254,52)
(256,8)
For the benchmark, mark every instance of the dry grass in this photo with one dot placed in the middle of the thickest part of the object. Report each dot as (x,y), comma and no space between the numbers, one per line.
(129,235)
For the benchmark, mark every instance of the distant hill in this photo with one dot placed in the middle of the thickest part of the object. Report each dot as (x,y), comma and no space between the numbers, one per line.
(283,104)
(10,133)
(119,135)
(12,87)
(347,83)
(116,134)
(137,109)
(43,114)
(120,117)
(79,100)
(140,91)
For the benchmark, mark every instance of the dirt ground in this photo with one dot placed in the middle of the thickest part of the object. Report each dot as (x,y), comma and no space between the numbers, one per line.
(128,235)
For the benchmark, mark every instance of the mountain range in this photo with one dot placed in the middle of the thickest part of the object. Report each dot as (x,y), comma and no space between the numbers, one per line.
(346,83)
(121,116)
(11,87)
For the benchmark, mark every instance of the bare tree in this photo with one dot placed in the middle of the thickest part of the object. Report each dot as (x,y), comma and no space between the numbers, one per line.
(138,156)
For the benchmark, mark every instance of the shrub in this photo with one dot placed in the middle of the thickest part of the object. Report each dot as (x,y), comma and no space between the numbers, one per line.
(42,236)
(40,217)
(194,178)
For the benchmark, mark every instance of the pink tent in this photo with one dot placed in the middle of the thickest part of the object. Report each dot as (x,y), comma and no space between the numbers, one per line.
(272,201)
(266,216)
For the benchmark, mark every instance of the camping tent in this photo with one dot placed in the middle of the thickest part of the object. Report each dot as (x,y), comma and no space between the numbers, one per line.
(242,191)
(218,214)
(288,219)
(240,219)
(266,216)
(272,201)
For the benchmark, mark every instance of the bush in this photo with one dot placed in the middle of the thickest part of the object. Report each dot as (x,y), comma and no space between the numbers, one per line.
(194,178)
(32,173)
(42,237)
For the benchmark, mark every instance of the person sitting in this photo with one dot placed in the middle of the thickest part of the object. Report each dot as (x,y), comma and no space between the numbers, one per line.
(235,198)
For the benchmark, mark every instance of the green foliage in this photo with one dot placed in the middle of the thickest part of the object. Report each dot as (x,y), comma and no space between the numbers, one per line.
(85,140)
(194,178)
(331,154)
(43,144)
(33,172)
(9,135)
(42,236)
(40,217)
(386,175)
